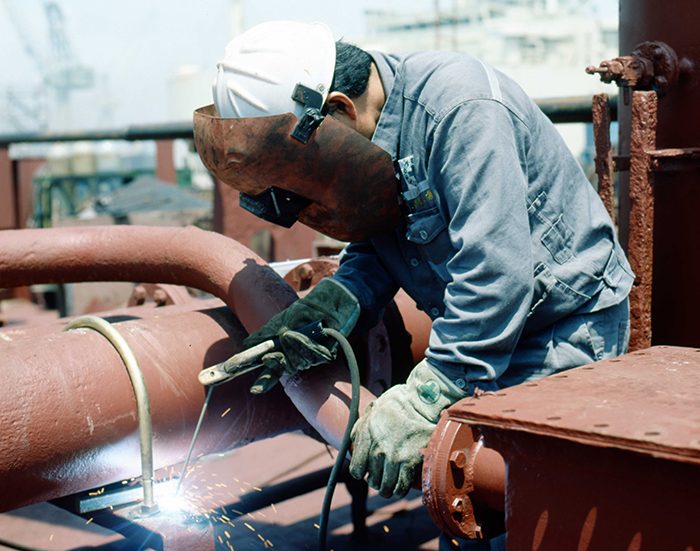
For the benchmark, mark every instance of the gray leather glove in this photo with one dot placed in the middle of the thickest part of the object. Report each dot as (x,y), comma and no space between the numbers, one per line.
(332,304)
(396,426)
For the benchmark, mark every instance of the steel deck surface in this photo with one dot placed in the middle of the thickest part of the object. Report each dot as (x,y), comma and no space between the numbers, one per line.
(646,401)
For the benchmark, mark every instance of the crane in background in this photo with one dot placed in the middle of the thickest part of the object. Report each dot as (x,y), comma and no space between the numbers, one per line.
(61,73)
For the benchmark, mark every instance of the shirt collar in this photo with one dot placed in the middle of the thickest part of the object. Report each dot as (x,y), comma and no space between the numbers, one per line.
(386,134)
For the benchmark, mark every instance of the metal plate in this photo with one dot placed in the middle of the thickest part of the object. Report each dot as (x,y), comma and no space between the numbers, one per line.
(647,401)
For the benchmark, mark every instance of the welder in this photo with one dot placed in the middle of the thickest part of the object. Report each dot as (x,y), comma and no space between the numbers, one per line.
(449,182)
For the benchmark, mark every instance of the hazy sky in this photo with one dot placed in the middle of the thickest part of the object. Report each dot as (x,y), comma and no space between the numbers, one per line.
(137,46)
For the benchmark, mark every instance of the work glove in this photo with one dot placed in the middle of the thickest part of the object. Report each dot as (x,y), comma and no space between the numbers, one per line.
(329,302)
(396,426)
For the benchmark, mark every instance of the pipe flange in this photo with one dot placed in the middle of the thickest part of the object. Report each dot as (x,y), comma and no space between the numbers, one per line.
(446,484)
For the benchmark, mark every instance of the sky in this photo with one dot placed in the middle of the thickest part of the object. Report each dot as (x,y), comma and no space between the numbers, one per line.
(137,47)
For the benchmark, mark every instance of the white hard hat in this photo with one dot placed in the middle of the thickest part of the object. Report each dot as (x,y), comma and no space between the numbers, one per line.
(261,68)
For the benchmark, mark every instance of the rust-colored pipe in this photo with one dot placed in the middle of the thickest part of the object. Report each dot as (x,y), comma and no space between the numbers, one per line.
(184,256)
(68,415)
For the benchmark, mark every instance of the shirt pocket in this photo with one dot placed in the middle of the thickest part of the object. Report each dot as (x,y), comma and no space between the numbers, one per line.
(428,230)
(557,240)
(422,227)
(552,299)
(556,237)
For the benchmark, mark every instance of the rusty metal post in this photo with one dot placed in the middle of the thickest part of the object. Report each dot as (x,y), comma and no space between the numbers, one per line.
(676,300)
(641,220)
(8,191)
(165,164)
(604,154)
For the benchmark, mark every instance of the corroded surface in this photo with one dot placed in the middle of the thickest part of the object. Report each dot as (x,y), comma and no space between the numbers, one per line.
(641,219)
(604,154)
(463,482)
(605,456)
(645,400)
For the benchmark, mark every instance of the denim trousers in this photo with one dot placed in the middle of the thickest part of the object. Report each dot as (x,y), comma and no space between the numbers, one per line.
(573,341)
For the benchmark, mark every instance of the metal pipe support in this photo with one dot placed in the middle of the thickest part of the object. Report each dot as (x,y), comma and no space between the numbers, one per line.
(143,404)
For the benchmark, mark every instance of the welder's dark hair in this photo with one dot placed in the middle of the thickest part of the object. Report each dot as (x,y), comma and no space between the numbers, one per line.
(352,67)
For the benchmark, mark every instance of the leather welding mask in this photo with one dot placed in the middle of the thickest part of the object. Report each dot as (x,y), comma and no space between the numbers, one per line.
(338,182)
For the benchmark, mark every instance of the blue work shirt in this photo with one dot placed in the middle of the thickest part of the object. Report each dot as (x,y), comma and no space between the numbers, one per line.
(501,233)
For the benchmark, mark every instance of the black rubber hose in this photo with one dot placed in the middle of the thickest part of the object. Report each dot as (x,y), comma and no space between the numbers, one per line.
(345,443)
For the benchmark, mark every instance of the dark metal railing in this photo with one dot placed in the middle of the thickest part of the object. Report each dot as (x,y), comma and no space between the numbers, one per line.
(559,110)
(167,131)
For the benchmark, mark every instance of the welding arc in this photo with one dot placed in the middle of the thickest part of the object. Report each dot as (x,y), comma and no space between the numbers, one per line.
(345,443)
(194,439)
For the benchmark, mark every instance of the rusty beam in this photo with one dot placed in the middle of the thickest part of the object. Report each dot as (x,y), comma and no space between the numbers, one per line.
(604,166)
(641,220)
(679,159)
(675,160)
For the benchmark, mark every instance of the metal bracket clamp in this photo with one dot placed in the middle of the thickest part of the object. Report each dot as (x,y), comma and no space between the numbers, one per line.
(143,407)
(312,116)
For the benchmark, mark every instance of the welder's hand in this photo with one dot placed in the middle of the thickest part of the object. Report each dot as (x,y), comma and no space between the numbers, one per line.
(396,426)
(332,304)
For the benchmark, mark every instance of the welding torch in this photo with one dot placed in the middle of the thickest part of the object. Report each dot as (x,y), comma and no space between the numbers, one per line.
(251,359)
(235,366)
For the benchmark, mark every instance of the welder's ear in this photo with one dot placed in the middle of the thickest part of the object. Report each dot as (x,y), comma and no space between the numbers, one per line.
(338,103)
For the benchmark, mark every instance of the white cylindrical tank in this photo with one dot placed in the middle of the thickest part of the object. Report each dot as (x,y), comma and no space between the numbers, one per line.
(107,157)
(83,158)
(58,159)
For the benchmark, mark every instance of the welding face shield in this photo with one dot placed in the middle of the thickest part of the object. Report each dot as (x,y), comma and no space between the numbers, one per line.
(267,137)
(338,182)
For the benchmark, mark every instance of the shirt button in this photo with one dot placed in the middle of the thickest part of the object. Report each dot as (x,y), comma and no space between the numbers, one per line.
(423,235)
(460,383)
(435,312)
(415,262)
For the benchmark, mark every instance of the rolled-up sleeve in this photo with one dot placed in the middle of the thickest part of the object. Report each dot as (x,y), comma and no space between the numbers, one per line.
(477,166)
